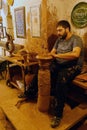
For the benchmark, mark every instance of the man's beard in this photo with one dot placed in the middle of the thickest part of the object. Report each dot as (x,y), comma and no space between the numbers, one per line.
(63,36)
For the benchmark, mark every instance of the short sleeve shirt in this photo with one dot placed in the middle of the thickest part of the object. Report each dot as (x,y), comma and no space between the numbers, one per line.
(64,46)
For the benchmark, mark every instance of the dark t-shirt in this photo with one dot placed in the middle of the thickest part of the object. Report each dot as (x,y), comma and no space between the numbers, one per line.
(64,46)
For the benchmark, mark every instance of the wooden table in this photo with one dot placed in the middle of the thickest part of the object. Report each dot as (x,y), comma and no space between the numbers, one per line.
(18,60)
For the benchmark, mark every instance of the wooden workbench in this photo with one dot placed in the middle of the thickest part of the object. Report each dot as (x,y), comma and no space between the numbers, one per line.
(81,81)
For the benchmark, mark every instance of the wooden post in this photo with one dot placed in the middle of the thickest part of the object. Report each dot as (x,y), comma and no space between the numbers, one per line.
(44,83)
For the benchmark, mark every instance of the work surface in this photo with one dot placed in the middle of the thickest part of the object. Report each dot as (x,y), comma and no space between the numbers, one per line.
(81,81)
(19,60)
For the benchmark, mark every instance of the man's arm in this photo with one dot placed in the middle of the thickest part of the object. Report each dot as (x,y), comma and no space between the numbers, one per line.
(53,52)
(69,55)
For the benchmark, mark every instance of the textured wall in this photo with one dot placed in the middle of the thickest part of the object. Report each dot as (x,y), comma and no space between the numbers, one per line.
(61,9)
(50,12)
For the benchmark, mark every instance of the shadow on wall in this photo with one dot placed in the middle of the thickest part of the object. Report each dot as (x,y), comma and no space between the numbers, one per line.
(51,40)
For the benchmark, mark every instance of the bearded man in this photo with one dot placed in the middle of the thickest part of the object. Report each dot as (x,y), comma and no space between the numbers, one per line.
(68,60)
(67,63)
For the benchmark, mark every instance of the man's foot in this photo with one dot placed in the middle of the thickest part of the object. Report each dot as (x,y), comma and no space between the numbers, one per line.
(22,95)
(55,121)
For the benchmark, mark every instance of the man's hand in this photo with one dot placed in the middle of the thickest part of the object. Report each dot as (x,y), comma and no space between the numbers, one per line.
(52,54)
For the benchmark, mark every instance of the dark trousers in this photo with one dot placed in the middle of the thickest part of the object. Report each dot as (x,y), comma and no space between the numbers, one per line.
(33,88)
(61,77)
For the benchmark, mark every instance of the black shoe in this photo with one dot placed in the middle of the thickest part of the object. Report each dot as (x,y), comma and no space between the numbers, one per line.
(55,121)
(27,95)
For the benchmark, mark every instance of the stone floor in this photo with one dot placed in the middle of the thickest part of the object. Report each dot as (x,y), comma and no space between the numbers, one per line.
(17,114)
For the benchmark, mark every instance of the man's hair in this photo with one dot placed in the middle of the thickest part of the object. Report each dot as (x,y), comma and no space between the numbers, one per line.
(65,24)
